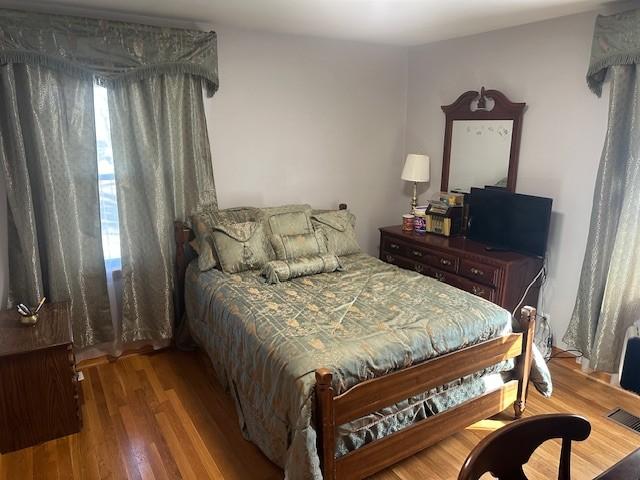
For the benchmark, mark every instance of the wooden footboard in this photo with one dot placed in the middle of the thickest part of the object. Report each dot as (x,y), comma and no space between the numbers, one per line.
(372,395)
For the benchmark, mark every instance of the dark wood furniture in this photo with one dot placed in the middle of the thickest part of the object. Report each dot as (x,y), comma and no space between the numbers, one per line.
(500,277)
(38,384)
(505,451)
(503,109)
(331,410)
(626,469)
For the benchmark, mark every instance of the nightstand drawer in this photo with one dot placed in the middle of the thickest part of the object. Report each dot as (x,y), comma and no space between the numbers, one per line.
(479,272)
(443,261)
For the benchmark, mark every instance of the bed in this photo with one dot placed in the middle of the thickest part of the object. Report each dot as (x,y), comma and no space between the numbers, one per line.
(339,375)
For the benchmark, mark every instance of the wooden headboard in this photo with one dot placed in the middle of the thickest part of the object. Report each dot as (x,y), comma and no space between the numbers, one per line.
(184,254)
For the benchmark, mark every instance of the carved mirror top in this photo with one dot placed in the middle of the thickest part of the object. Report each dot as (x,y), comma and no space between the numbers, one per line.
(483,105)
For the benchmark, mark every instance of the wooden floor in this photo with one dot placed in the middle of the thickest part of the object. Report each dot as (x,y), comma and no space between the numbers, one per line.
(159,416)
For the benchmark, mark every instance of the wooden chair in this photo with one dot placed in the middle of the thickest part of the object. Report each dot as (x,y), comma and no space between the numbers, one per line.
(505,451)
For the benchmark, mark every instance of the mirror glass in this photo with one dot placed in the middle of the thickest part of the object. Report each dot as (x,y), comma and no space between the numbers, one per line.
(480,151)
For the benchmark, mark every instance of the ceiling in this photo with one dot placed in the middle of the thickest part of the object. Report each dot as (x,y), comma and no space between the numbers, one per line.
(395,22)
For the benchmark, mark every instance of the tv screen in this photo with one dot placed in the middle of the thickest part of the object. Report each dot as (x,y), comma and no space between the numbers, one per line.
(509,221)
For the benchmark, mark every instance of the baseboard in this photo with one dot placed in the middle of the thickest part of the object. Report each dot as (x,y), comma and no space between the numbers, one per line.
(103,359)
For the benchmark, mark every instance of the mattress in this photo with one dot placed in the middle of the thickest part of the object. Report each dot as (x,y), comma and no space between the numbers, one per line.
(266,341)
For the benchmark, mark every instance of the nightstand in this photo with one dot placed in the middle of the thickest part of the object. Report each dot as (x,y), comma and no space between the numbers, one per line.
(38,384)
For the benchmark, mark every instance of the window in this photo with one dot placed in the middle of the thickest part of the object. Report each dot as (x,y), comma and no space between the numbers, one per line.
(109,223)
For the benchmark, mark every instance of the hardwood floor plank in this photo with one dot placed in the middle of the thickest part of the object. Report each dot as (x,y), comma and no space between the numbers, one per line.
(110,462)
(138,446)
(157,464)
(63,458)
(150,431)
(200,448)
(44,461)
(17,464)
(181,458)
(83,455)
(126,448)
(161,416)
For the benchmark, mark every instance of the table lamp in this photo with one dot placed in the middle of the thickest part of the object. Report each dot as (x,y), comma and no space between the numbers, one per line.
(416,169)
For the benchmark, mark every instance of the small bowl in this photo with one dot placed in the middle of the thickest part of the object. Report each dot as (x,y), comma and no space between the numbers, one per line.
(29,319)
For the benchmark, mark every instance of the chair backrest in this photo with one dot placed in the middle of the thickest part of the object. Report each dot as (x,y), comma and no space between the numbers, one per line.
(505,451)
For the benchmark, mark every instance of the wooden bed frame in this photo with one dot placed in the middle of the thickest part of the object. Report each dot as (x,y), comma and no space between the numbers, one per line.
(331,410)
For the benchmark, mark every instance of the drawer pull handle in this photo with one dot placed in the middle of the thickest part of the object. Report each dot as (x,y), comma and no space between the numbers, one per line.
(477,291)
(476,271)
(394,246)
(418,268)
(390,258)
(439,276)
(416,253)
(445,261)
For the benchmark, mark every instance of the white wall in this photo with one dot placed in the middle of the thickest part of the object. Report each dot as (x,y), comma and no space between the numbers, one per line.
(305,120)
(543,64)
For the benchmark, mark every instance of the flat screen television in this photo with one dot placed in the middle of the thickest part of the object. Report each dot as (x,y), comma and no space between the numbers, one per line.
(509,221)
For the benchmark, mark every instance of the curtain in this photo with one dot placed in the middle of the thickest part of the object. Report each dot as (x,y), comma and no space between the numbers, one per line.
(155,76)
(48,157)
(163,171)
(109,52)
(608,300)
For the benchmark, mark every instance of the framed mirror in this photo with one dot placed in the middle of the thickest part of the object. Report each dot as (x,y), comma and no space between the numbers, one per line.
(481,141)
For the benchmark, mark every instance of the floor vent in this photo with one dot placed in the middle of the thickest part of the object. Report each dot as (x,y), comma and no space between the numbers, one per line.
(625,419)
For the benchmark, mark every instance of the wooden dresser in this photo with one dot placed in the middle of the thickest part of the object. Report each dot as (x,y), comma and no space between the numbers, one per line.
(500,277)
(38,385)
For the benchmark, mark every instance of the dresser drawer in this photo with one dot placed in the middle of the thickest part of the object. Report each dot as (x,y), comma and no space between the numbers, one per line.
(442,276)
(392,246)
(478,289)
(418,254)
(443,261)
(479,272)
(402,262)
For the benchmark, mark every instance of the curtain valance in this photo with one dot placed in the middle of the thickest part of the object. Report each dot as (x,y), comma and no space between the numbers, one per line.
(616,41)
(108,51)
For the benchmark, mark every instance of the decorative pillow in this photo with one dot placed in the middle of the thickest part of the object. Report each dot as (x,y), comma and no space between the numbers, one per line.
(203,246)
(277,271)
(242,246)
(338,229)
(203,223)
(288,247)
(287,219)
(351,216)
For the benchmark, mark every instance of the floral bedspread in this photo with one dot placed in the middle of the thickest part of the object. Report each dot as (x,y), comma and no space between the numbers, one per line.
(266,341)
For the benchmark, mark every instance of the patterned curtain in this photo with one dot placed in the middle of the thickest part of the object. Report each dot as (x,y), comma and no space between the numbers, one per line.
(48,157)
(608,300)
(111,53)
(163,171)
(155,77)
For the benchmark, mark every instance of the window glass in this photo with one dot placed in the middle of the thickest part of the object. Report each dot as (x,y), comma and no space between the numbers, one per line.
(106,182)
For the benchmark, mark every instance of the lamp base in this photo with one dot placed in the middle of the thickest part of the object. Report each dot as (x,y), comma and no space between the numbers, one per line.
(414,199)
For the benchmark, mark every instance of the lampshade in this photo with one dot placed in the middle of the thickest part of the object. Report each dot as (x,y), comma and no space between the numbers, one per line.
(416,168)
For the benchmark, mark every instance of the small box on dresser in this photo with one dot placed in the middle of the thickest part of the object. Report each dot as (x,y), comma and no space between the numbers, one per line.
(500,277)
(38,385)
